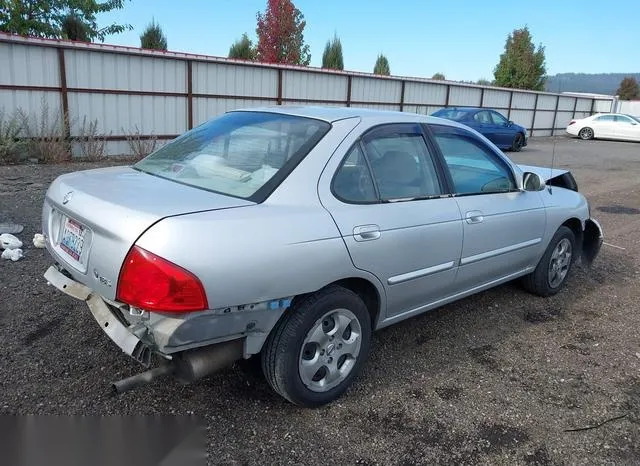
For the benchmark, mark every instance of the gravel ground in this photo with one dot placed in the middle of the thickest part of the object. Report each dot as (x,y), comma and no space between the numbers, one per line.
(497,378)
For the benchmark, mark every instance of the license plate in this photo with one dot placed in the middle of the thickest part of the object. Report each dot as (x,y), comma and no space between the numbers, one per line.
(72,240)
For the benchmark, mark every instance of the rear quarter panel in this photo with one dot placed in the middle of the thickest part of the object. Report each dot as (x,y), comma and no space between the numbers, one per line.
(286,246)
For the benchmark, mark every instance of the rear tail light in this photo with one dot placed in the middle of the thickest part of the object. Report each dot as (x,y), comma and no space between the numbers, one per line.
(572,122)
(152,283)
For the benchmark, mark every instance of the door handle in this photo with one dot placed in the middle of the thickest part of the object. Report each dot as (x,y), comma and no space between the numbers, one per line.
(366,232)
(475,216)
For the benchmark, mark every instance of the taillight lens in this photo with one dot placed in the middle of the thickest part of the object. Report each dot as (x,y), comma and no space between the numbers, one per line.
(572,122)
(152,283)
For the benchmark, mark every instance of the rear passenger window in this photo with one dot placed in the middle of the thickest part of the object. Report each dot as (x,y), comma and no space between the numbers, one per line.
(390,163)
(402,166)
(474,167)
(352,181)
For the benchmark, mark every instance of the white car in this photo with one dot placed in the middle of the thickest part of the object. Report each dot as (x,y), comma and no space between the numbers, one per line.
(606,126)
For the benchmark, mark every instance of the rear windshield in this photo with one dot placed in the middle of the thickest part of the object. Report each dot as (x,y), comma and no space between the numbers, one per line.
(452,114)
(240,154)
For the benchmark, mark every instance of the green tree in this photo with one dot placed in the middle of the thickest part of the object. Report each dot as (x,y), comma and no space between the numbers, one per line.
(73,28)
(483,82)
(332,56)
(438,76)
(153,38)
(521,66)
(628,89)
(382,66)
(242,49)
(45,18)
(280,33)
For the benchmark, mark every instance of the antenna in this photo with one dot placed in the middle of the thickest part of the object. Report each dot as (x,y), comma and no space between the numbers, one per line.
(553,158)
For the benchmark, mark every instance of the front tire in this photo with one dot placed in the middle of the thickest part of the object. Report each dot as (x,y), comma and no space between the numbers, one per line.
(318,348)
(586,133)
(518,142)
(554,267)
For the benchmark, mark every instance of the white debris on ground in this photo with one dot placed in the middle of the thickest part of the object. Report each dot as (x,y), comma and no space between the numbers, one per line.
(12,246)
(38,240)
(12,254)
(8,241)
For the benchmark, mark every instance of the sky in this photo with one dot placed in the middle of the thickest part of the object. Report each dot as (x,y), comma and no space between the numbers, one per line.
(462,39)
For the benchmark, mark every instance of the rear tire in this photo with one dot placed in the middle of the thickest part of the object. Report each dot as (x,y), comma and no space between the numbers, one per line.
(586,133)
(554,267)
(318,348)
(518,142)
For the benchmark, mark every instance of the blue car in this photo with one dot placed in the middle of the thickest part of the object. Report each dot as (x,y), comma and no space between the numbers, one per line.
(503,133)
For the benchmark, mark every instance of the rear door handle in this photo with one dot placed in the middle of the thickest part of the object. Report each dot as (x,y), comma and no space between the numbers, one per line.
(474,216)
(366,232)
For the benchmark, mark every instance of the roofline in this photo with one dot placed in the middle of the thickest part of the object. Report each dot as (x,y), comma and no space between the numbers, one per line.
(124,49)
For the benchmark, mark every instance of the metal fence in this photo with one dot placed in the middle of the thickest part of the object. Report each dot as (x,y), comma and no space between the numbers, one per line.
(631,107)
(162,94)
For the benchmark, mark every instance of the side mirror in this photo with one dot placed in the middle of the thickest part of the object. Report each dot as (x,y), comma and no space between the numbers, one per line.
(532,182)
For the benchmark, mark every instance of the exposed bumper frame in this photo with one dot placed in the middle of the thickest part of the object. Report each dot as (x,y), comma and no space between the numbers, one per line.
(120,334)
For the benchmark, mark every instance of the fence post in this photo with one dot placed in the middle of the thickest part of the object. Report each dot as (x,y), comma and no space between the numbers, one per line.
(402,96)
(482,97)
(510,102)
(593,104)
(349,91)
(575,106)
(63,94)
(555,116)
(189,94)
(279,86)
(446,102)
(535,108)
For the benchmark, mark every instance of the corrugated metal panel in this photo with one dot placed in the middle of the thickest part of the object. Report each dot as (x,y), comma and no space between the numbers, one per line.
(96,70)
(563,119)
(379,106)
(566,103)
(122,113)
(629,107)
(603,106)
(425,93)
(584,105)
(215,78)
(544,119)
(547,102)
(305,85)
(206,108)
(375,90)
(523,100)
(31,102)
(522,117)
(28,66)
(582,114)
(464,96)
(303,103)
(496,99)
(541,133)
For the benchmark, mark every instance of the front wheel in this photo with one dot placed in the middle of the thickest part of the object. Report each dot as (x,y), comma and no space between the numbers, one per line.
(318,348)
(554,267)
(518,142)
(586,133)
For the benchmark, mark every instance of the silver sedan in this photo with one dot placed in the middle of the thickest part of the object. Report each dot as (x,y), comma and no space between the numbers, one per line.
(289,235)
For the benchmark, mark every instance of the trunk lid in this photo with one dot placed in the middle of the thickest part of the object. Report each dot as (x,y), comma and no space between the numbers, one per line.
(92,218)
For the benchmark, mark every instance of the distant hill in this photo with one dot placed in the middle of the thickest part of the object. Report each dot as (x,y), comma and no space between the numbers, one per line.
(604,83)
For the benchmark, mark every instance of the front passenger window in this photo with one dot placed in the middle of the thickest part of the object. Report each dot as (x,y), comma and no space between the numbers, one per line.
(475,169)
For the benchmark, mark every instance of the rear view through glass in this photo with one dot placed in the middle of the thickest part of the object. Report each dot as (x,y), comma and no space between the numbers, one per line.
(240,154)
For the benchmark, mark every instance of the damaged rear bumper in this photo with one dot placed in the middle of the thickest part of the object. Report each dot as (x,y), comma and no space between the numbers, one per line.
(119,333)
